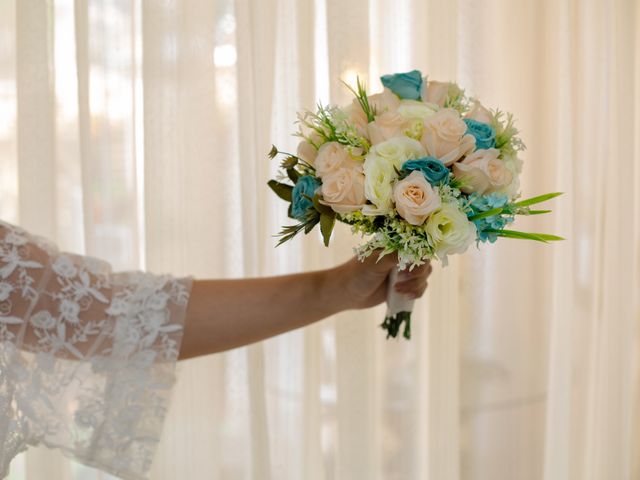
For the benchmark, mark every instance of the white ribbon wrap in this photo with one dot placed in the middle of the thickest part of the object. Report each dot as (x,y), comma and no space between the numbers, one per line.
(397,302)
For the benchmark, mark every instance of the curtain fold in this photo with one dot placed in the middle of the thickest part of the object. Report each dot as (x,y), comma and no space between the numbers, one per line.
(138,131)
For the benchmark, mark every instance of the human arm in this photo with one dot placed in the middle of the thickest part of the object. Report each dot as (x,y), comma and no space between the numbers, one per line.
(225,314)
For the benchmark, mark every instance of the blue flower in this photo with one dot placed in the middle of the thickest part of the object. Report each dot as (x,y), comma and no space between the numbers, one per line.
(306,187)
(405,85)
(484,203)
(433,169)
(485,134)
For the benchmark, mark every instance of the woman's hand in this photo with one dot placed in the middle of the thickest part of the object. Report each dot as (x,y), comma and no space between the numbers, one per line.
(364,284)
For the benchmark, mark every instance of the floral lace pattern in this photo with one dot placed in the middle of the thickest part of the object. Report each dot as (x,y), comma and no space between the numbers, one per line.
(87,356)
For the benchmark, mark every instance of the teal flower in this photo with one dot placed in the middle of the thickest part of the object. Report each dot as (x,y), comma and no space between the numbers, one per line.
(304,190)
(433,169)
(405,85)
(484,133)
(484,203)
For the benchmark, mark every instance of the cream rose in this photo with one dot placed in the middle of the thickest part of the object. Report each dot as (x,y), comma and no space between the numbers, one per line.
(445,138)
(386,126)
(450,231)
(479,113)
(415,198)
(438,92)
(331,157)
(343,190)
(483,172)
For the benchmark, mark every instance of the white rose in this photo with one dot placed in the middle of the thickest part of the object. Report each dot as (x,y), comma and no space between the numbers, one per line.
(386,126)
(343,190)
(479,113)
(450,230)
(445,138)
(331,157)
(483,172)
(415,198)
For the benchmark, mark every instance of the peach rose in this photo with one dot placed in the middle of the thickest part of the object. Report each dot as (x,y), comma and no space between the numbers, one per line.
(343,189)
(386,126)
(415,198)
(444,136)
(307,152)
(331,157)
(356,116)
(437,92)
(479,113)
(483,172)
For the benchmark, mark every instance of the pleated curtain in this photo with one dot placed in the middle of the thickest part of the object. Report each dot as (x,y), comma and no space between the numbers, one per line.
(138,131)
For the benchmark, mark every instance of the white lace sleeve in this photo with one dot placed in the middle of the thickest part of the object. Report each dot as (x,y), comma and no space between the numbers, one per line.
(87,356)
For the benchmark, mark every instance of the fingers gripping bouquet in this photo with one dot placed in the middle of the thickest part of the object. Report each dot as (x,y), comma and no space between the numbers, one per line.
(419,169)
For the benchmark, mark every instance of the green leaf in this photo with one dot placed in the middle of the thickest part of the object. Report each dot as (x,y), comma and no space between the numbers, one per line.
(326,209)
(538,237)
(488,213)
(534,212)
(539,199)
(327,222)
(273,152)
(311,223)
(293,175)
(283,190)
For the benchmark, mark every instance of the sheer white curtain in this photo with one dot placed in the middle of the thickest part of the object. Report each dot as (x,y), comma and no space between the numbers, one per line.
(137,131)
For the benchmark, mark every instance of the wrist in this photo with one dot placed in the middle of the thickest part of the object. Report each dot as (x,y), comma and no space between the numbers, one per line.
(333,295)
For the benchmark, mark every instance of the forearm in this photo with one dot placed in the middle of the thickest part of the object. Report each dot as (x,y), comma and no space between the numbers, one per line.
(225,314)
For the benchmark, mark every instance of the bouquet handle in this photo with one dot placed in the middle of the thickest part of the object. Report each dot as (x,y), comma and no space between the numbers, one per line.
(399,308)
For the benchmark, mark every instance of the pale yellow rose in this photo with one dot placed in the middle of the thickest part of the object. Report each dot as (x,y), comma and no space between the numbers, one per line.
(417,110)
(479,113)
(343,190)
(415,198)
(380,166)
(378,184)
(331,157)
(514,165)
(483,172)
(437,92)
(386,126)
(398,150)
(450,231)
(445,138)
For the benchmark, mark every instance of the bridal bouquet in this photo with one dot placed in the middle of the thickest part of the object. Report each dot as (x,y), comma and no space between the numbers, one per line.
(419,169)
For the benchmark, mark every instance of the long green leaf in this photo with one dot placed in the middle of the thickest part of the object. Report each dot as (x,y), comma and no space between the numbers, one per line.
(538,199)
(327,223)
(283,190)
(488,213)
(539,237)
(533,212)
